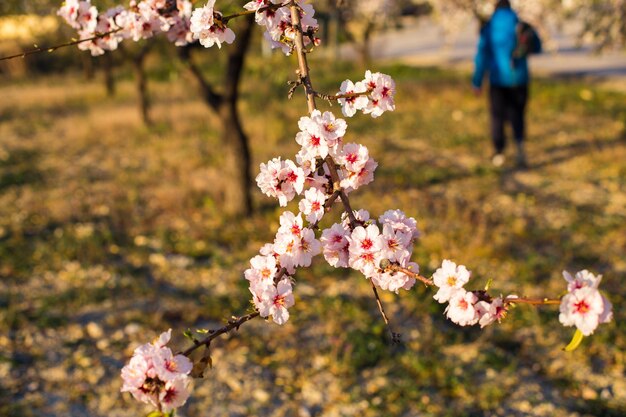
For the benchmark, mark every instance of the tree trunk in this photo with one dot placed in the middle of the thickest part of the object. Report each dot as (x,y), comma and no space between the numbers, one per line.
(142,84)
(237,159)
(364,47)
(109,80)
(87,66)
(239,196)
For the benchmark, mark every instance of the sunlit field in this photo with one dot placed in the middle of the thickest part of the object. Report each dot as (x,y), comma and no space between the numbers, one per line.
(111,232)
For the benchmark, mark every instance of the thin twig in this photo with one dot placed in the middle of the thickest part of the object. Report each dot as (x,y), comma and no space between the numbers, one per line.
(54,48)
(410,273)
(225,19)
(395,337)
(233,324)
(532,301)
(329,97)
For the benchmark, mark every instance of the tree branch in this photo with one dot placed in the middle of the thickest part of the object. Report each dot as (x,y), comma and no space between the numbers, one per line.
(210,96)
(233,324)
(63,45)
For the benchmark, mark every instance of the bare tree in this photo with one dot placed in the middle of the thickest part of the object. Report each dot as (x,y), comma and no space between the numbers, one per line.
(238,199)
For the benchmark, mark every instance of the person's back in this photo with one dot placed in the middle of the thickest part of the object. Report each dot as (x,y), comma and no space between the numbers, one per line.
(508,78)
(498,40)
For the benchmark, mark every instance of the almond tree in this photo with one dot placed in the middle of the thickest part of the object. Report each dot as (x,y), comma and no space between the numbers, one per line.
(604,21)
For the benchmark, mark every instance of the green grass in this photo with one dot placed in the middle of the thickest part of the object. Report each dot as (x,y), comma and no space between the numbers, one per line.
(105,221)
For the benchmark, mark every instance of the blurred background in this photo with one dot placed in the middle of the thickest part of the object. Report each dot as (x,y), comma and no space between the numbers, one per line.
(122,214)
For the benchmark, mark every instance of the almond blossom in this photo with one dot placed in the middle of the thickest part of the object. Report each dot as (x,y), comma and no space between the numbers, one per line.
(584,306)
(582,279)
(154,375)
(489,312)
(355,179)
(365,249)
(353,157)
(263,268)
(275,301)
(208,30)
(461,309)
(400,222)
(281,179)
(383,89)
(396,280)
(335,245)
(350,105)
(450,278)
(312,206)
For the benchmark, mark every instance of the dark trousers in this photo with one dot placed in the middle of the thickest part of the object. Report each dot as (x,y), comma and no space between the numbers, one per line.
(507,104)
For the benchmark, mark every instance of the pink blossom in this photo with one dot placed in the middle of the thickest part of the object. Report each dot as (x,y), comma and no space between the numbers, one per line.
(350,105)
(383,89)
(365,249)
(209,30)
(156,376)
(396,246)
(335,245)
(276,300)
(355,179)
(202,17)
(449,278)
(354,157)
(394,281)
(263,268)
(175,393)
(313,144)
(582,279)
(290,224)
(398,220)
(490,312)
(281,179)
(461,309)
(582,308)
(308,248)
(312,206)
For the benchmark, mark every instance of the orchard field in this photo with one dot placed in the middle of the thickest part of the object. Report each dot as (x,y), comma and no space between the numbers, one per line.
(111,232)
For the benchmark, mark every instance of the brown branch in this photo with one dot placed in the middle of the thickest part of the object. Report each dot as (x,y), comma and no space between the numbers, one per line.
(331,200)
(410,273)
(233,324)
(211,97)
(395,337)
(531,301)
(55,47)
(329,97)
(225,19)
(305,78)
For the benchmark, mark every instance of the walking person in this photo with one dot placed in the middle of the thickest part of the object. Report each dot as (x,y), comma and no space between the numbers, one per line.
(503,49)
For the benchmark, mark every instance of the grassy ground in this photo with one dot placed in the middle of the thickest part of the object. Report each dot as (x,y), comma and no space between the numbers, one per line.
(111,233)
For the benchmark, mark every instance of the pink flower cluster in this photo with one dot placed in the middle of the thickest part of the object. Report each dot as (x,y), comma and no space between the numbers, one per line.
(584,306)
(465,308)
(373,95)
(361,247)
(147,18)
(279,31)
(154,375)
(208,27)
(141,20)
(321,134)
(294,246)
(364,247)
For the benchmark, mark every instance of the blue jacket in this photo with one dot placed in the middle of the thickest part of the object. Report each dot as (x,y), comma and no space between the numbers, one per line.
(497,42)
